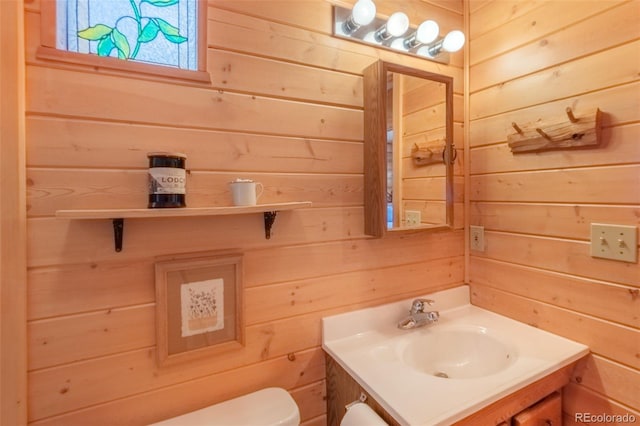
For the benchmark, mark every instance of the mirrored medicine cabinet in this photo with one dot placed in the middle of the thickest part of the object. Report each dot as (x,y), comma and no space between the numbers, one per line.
(408,150)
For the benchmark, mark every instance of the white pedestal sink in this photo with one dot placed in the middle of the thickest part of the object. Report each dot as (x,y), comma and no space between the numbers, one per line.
(442,373)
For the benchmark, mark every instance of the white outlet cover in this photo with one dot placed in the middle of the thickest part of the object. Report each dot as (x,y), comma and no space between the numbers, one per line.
(617,242)
(412,217)
(476,238)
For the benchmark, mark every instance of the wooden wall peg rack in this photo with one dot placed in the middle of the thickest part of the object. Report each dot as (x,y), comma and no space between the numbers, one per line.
(568,132)
(426,153)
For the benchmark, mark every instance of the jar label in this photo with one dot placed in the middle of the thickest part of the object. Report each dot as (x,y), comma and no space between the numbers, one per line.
(167,180)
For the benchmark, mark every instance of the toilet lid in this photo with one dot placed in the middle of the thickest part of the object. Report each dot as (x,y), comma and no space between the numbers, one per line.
(266,407)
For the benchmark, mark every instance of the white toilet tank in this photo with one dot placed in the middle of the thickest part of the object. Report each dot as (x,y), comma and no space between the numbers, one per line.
(266,407)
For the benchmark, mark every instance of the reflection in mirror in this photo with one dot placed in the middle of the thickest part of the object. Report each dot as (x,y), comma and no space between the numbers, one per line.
(408,134)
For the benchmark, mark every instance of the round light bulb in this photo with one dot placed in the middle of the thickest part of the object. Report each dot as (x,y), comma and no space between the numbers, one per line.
(398,24)
(453,41)
(427,31)
(364,12)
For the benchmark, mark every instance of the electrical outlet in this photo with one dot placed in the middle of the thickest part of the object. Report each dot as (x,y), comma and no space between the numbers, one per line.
(412,217)
(618,242)
(476,238)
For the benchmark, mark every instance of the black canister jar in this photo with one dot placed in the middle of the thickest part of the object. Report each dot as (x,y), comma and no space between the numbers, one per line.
(167,179)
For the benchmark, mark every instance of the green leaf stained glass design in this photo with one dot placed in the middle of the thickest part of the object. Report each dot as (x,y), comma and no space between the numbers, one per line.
(156,31)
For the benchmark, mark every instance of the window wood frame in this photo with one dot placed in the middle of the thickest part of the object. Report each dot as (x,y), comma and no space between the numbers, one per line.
(48,51)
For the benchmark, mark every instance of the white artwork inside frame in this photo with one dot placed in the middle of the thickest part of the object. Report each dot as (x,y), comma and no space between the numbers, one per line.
(202,305)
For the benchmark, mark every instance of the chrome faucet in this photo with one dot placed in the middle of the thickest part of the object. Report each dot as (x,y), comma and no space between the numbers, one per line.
(417,316)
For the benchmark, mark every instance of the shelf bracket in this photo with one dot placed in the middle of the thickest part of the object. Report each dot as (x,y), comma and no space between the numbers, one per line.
(118,233)
(269,218)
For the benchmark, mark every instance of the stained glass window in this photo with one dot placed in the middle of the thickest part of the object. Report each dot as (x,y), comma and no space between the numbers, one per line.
(161,32)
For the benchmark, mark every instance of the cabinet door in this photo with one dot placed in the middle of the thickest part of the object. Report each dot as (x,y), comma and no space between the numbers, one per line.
(547,412)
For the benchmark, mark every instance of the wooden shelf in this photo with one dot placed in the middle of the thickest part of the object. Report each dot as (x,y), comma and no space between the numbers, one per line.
(118,215)
(178,212)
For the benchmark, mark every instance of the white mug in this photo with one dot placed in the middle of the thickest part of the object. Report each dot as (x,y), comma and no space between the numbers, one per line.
(245,192)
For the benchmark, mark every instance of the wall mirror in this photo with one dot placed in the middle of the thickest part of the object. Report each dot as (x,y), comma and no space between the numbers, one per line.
(408,149)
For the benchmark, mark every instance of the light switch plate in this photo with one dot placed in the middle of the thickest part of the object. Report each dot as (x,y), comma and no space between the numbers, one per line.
(618,242)
(412,217)
(476,237)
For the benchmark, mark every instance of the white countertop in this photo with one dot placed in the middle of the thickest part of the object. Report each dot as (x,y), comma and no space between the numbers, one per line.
(369,346)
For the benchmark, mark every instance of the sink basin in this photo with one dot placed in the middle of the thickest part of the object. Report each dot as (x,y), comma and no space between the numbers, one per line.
(442,373)
(458,353)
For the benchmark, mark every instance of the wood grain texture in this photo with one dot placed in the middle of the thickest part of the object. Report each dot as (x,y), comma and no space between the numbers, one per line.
(537,208)
(607,185)
(418,121)
(375,149)
(620,102)
(91,214)
(610,378)
(572,221)
(100,144)
(284,107)
(568,132)
(548,411)
(560,81)
(246,33)
(551,46)
(13,221)
(619,303)
(248,73)
(99,380)
(621,148)
(512,24)
(73,241)
(62,93)
(288,372)
(342,389)
(560,255)
(502,410)
(63,189)
(289,299)
(582,400)
(62,289)
(91,334)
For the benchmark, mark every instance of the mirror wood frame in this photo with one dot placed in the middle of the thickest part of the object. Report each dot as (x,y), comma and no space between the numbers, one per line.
(375,149)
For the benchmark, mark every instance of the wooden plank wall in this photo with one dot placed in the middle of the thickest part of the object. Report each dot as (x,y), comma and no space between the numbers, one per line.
(530,60)
(284,108)
(13,218)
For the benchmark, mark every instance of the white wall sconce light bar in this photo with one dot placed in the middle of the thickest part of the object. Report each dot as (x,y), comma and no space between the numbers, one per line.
(361,24)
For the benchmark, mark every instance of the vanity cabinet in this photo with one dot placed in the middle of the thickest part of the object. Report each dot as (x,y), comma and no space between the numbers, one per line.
(547,412)
(342,390)
(539,403)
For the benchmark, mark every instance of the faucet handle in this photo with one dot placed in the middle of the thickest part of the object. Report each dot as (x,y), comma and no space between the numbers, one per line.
(419,304)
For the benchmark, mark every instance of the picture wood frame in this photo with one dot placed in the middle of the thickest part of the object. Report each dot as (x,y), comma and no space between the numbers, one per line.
(199,308)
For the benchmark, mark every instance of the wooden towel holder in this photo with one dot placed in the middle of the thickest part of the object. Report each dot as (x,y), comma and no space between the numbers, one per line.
(576,132)
(426,153)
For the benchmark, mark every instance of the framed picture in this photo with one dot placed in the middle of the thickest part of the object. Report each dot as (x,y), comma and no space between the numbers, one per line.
(199,310)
